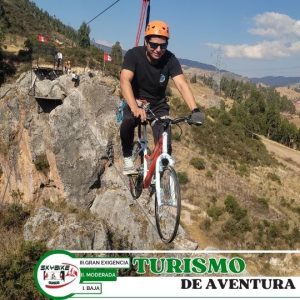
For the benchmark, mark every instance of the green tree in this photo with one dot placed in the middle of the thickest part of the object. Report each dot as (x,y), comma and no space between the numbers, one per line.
(116,54)
(114,66)
(84,35)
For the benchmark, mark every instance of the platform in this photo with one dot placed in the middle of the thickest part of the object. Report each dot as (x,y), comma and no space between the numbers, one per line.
(47,73)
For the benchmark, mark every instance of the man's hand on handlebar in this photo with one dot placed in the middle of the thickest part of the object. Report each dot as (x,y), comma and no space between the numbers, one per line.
(197,117)
(140,113)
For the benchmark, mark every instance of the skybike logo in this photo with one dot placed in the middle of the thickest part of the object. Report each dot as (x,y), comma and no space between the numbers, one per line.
(60,275)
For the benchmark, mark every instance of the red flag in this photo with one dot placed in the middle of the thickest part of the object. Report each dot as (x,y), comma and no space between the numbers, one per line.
(42,39)
(107,57)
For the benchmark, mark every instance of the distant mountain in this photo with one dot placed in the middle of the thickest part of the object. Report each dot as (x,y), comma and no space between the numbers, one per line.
(103,47)
(196,64)
(277,81)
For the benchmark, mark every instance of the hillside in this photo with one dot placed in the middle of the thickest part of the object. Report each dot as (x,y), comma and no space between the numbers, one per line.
(264,191)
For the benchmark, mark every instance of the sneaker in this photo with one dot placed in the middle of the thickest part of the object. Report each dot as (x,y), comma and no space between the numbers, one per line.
(129,168)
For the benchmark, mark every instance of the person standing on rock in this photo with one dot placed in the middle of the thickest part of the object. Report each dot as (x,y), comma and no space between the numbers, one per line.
(58,59)
(143,79)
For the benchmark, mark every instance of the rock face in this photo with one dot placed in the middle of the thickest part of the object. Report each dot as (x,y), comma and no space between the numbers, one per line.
(54,140)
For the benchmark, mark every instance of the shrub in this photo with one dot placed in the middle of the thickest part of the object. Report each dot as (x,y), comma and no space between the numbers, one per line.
(243,170)
(296,210)
(237,227)
(41,163)
(274,231)
(209,174)
(232,206)
(206,224)
(17,195)
(13,216)
(182,177)
(16,280)
(263,203)
(215,212)
(274,177)
(197,163)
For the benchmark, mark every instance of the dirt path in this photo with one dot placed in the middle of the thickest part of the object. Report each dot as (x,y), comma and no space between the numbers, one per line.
(285,155)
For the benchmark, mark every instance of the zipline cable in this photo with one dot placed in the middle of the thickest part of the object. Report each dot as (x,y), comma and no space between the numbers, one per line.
(103,11)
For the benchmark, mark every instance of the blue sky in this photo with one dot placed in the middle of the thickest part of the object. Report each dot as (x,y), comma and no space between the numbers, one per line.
(253,38)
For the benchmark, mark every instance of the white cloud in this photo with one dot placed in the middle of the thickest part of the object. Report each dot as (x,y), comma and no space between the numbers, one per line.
(275,25)
(282,33)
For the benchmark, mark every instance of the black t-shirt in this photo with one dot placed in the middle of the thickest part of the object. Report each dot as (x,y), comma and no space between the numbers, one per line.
(150,80)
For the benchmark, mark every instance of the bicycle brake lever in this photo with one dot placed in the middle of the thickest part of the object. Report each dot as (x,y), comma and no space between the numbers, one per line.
(189,120)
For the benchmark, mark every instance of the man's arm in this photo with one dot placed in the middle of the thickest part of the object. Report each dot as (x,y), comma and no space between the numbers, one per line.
(127,92)
(185,91)
(197,116)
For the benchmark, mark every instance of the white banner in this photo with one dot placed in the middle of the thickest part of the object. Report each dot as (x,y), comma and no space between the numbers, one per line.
(202,287)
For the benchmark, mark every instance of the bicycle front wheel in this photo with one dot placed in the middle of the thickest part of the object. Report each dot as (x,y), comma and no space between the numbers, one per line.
(167,212)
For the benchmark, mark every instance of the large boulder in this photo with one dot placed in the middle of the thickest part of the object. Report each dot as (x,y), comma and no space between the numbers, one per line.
(59,152)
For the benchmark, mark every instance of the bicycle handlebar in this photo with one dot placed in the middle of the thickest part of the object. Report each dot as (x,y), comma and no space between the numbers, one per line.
(152,117)
(168,120)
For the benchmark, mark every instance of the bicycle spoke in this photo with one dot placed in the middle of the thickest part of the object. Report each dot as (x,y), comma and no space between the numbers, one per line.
(167,212)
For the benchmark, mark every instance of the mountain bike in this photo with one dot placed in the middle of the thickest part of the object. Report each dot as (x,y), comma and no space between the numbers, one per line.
(156,171)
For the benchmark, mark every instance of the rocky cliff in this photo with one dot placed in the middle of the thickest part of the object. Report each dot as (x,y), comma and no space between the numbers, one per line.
(55,149)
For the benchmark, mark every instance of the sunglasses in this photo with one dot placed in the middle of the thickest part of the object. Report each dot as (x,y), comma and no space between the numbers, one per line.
(156,45)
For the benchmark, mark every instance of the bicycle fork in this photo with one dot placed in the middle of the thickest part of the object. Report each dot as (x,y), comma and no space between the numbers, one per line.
(162,161)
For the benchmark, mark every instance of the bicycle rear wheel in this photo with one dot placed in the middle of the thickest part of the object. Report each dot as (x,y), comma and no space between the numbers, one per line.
(136,181)
(167,214)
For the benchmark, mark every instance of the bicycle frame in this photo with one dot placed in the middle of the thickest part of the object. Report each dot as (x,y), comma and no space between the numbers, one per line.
(160,153)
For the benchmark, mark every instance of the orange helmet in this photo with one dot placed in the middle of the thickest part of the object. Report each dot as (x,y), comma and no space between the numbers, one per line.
(157,28)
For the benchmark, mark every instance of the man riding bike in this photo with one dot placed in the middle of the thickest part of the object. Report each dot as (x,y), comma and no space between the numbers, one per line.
(144,78)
